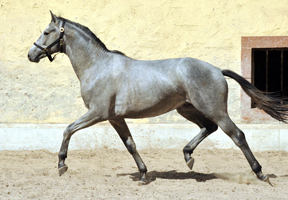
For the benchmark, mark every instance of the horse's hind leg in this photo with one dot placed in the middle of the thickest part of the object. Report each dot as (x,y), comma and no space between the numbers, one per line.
(207,127)
(221,118)
(238,138)
(122,129)
(211,100)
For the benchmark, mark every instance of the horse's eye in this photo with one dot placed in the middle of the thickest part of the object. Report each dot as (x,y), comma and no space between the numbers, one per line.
(46,33)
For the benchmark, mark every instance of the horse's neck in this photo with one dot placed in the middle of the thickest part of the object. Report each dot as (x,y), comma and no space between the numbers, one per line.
(83,54)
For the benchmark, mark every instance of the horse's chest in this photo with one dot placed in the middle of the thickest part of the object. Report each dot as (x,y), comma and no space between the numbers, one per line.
(96,95)
(87,94)
(86,99)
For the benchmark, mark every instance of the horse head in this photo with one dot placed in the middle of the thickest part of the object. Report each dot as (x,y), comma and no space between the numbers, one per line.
(49,42)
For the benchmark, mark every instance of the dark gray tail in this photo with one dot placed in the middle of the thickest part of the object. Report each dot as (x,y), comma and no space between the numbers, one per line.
(275,107)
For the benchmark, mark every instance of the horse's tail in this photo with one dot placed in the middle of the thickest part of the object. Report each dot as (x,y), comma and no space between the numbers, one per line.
(272,105)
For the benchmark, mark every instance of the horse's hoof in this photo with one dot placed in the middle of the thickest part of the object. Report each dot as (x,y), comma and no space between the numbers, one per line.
(190,163)
(142,182)
(62,170)
(267,180)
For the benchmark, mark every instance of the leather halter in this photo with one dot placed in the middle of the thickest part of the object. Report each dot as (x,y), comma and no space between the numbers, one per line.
(59,40)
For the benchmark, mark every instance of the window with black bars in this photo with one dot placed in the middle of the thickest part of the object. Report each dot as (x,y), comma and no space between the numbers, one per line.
(270,70)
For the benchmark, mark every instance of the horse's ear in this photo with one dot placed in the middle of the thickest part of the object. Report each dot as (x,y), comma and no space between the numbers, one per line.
(53,17)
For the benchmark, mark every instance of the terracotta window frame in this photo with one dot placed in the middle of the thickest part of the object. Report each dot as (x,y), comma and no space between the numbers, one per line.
(248,114)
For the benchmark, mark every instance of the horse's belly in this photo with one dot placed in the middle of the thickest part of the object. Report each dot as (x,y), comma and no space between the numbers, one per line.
(148,108)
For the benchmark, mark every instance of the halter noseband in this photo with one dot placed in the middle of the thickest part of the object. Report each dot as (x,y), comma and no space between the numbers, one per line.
(59,40)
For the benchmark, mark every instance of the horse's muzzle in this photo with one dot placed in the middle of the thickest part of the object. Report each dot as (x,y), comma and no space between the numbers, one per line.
(37,59)
(29,57)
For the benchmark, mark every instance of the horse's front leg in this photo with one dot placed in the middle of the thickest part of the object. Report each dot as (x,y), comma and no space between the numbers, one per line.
(89,119)
(122,129)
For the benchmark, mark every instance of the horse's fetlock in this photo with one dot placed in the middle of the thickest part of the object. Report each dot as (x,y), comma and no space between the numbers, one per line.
(62,155)
(142,168)
(187,150)
(256,167)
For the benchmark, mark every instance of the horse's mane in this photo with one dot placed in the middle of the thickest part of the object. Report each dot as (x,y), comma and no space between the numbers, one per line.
(91,34)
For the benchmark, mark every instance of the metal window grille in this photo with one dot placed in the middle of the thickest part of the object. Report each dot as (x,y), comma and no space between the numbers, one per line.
(270,70)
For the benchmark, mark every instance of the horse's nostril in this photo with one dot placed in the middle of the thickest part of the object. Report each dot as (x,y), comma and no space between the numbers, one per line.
(29,57)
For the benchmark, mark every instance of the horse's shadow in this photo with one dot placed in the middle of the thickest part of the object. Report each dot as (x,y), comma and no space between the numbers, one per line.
(173,174)
(199,177)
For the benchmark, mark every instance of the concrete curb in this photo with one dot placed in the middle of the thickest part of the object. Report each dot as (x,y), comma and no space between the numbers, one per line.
(260,137)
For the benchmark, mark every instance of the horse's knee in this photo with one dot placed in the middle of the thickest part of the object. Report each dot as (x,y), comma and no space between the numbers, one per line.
(131,146)
(67,132)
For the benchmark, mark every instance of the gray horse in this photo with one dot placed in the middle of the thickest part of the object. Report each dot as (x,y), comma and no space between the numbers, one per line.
(114,87)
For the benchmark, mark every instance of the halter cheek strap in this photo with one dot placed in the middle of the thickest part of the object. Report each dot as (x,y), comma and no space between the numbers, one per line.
(59,40)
